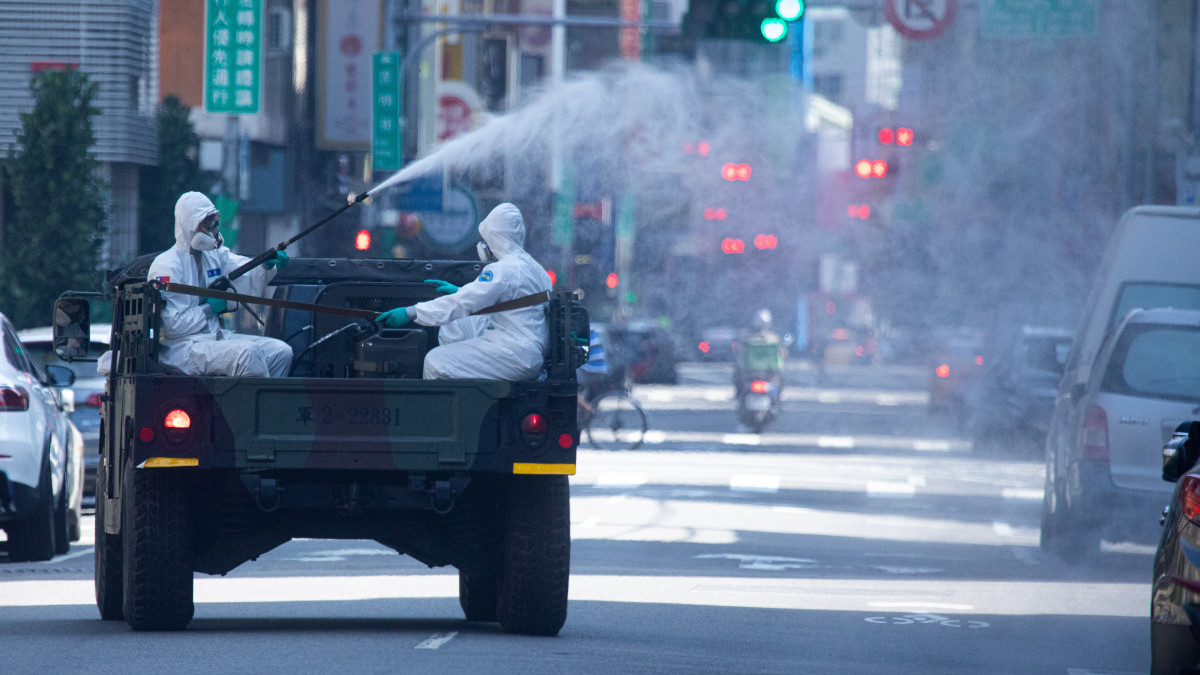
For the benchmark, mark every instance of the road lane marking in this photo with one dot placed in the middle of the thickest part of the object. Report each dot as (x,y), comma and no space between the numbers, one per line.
(835,442)
(752,482)
(880,488)
(741,439)
(1022,493)
(748,561)
(932,446)
(921,605)
(437,640)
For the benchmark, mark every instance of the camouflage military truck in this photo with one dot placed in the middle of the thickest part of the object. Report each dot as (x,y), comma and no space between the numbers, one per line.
(201,474)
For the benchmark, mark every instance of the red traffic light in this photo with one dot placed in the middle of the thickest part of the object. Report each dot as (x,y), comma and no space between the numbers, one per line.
(904,136)
(862,168)
(860,211)
(764,241)
(887,136)
(362,240)
(730,171)
(870,168)
(714,213)
(612,280)
(731,245)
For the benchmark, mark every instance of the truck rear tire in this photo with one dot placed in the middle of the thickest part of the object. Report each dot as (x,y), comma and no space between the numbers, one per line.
(157,551)
(32,539)
(108,563)
(536,563)
(477,595)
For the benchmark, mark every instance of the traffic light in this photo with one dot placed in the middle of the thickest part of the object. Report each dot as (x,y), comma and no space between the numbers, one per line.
(860,211)
(752,19)
(899,136)
(612,281)
(731,245)
(735,172)
(362,240)
(715,213)
(871,168)
(765,241)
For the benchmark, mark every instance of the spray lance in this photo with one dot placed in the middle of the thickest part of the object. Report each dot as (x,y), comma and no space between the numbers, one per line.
(224,282)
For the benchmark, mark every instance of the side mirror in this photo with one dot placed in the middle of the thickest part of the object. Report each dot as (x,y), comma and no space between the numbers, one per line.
(1181,452)
(72,327)
(60,376)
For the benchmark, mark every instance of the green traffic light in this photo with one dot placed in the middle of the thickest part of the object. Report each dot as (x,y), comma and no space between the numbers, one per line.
(774,30)
(789,10)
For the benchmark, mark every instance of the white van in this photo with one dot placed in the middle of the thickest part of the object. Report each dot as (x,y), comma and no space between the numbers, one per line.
(1152,260)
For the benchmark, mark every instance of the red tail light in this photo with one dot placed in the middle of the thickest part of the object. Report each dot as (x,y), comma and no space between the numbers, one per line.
(565,441)
(93,400)
(14,399)
(177,419)
(704,347)
(759,386)
(534,424)
(942,370)
(1189,497)
(1094,435)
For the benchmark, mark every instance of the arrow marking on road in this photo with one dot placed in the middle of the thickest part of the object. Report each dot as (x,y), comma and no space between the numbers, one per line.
(437,640)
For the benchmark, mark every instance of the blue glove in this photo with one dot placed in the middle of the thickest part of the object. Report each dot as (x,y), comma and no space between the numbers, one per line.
(443,286)
(280,260)
(218,305)
(394,318)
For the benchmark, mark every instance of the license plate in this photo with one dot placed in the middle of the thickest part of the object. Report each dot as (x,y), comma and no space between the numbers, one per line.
(758,402)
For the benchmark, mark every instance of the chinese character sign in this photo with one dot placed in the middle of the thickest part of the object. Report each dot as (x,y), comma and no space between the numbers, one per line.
(386,118)
(233,56)
(349,35)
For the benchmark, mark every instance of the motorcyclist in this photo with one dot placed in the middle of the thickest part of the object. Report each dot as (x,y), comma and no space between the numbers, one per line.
(191,336)
(507,345)
(758,354)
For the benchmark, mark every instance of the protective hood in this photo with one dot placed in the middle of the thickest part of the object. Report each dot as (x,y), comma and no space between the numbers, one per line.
(191,208)
(503,231)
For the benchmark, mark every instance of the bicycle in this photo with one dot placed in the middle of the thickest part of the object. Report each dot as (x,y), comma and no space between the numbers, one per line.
(612,420)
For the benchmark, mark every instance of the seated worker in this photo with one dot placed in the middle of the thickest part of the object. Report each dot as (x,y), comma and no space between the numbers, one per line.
(506,345)
(191,337)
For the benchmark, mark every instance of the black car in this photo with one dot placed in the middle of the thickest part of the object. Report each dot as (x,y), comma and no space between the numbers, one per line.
(1013,402)
(1175,593)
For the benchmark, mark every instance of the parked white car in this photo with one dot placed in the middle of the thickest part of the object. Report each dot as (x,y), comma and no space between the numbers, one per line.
(1104,451)
(41,455)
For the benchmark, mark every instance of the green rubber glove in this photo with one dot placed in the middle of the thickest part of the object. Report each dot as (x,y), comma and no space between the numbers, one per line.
(218,305)
(443,286)
(394,318)
(280,260)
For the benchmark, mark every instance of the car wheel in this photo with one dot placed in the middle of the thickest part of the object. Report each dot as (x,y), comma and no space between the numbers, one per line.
(1172,649)
(157,550)
(32,539)
(62,528)
(477,595)
(107,563)
(536,556)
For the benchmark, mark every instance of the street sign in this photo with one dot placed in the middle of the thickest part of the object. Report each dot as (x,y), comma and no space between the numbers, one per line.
(564,209)
(232,56)
(920,19)
(1047,18)
(423,193)
(386,120)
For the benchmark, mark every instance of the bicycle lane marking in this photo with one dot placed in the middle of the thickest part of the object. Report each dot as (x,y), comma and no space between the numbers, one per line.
(932,619)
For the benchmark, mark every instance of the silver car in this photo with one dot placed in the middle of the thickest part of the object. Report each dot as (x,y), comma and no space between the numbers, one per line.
(1103,461)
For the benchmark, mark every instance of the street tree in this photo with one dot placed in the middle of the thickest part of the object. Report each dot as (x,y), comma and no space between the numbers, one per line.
(178,171)
(52,241)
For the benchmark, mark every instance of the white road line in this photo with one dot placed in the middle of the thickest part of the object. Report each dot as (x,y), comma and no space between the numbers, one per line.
(932,446)
(619,479)
(437,640)
(741,439)
(879,488)
(753,482)
(835,441)
(1022,493)
(918,605)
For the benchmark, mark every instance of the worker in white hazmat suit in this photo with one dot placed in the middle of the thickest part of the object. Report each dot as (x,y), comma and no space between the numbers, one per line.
(191,337)
(507,345)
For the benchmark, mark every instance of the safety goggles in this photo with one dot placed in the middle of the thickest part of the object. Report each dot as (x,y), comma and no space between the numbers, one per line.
(211,223)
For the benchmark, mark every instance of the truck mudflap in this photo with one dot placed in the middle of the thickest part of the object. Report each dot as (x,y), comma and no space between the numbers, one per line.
(408,425)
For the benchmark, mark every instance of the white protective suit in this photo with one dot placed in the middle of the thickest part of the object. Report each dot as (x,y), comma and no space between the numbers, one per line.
(512,344)
(191,338)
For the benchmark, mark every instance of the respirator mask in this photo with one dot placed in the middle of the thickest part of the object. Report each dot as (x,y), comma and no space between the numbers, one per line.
(485,253)
(208,235)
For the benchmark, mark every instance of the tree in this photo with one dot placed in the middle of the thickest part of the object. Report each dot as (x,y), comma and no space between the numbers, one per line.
(178,171)
(52,243)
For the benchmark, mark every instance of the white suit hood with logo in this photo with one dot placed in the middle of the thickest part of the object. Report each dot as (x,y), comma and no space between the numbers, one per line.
(509,345)
(191,338)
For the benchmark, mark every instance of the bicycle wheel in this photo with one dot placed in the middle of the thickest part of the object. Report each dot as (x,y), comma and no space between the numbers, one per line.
(617,423)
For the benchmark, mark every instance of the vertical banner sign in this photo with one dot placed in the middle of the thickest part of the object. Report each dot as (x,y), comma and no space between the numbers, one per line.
(386,122)
(349,35)
(232,56)
(630,45)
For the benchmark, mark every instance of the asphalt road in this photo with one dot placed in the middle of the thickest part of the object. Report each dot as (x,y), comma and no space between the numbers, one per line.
(857,535)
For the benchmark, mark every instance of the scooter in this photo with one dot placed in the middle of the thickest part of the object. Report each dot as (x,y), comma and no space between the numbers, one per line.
(758,404)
